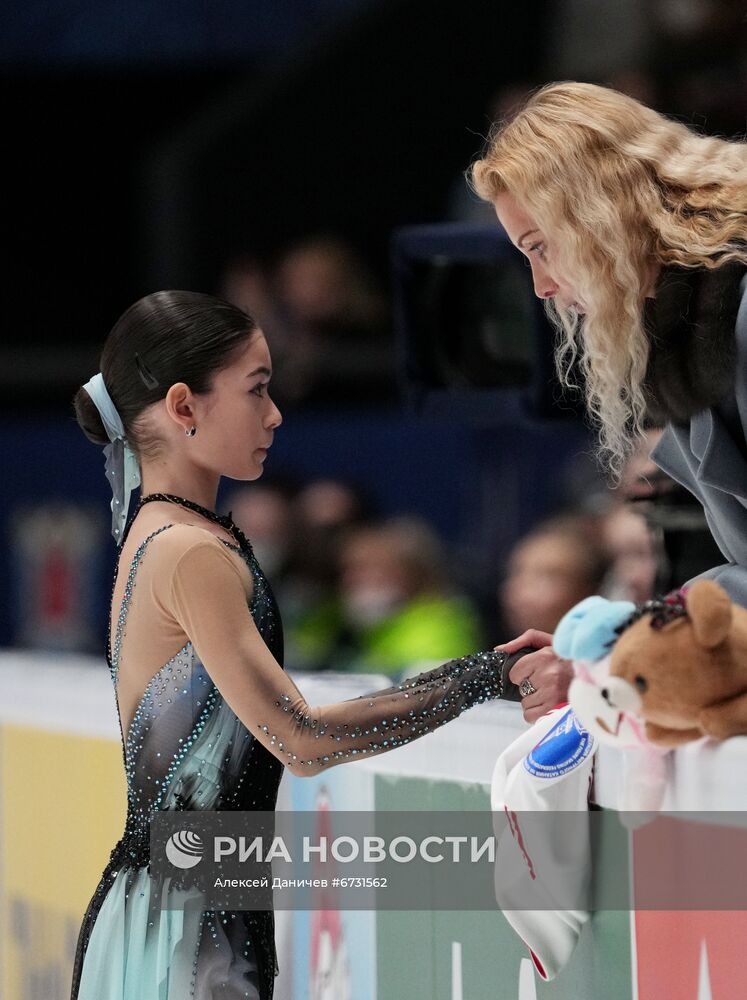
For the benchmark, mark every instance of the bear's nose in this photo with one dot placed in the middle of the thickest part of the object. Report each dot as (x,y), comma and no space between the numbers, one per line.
(606,695)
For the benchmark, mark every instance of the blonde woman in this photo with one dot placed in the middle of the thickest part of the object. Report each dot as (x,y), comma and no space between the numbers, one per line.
(635,228)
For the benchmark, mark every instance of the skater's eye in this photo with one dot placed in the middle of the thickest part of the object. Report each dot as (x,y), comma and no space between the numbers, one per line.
(641,683)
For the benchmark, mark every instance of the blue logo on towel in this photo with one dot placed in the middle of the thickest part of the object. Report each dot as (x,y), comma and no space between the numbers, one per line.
(564,748)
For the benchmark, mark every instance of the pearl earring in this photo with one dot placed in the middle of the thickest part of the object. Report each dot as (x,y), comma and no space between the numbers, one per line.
(191,432)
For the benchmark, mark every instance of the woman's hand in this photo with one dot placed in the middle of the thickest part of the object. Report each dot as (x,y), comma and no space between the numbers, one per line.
(548,674)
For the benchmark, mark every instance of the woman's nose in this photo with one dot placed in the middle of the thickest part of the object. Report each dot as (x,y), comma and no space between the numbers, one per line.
(544,286)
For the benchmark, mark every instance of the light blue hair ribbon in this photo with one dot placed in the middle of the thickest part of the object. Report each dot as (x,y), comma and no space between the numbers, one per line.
(122,469)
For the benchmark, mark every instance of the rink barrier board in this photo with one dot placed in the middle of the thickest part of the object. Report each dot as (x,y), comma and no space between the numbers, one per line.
(489,961)
(62,808)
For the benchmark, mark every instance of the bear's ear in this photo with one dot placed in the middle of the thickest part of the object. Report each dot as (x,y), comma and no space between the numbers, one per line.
(709,610)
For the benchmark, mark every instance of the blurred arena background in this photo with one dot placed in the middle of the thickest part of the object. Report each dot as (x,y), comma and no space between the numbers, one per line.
(430,491)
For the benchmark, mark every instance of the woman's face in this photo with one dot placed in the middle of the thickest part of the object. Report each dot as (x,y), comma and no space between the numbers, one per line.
(545,579)
(236,420)
(524,233)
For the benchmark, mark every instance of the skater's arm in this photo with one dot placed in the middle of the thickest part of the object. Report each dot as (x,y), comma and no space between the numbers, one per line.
(209,601)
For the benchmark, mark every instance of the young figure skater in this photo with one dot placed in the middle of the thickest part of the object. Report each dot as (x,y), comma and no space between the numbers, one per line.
(208,717)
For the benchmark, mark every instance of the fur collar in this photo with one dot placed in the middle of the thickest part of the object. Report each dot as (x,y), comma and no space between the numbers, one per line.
(691,330)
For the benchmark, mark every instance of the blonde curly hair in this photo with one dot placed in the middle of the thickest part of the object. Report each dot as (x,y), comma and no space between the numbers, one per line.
(615,187)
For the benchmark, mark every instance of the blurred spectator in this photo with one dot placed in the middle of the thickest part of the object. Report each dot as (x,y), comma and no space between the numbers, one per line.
(699,55)
(331,337)
(655,531)
(395,608)
(323,282)
(630,545)
(245,284)
(326,322)
(633,544)
(264,511)
(397,602)
(329,503)
(594,41)
(684,57)
(323,511)
(682,544)
(641,477)
(560,562)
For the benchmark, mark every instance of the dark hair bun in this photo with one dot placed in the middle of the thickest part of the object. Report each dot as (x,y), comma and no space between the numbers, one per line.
(164,338)
(89,418)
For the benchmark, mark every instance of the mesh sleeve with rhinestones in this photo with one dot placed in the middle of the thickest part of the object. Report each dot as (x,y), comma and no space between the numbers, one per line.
(204,592)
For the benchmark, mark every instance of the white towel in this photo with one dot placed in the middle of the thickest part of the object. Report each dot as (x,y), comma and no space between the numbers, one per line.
(541,862)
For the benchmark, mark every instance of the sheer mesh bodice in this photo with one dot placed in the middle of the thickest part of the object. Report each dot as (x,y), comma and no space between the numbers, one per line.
(212,730)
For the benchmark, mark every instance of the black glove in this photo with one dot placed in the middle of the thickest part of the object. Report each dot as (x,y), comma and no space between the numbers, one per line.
(511,690)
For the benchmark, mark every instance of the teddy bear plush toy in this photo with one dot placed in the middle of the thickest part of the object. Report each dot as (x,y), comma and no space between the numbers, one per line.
(668,672)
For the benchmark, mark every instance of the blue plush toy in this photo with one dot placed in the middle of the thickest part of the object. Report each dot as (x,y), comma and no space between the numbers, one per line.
(589,630)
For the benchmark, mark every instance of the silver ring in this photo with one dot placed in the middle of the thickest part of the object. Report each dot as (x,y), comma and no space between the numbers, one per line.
(526,688)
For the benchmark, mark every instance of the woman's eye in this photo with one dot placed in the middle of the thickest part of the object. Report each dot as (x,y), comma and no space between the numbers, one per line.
(259,390)
(539,249)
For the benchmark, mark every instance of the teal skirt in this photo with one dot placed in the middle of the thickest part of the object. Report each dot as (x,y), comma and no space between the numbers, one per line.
(139,949)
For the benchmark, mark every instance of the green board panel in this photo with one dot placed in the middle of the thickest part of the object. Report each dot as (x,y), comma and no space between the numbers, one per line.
(455,955)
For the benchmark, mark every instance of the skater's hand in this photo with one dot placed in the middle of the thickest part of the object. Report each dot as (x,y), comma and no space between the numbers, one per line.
(543,671)
(532,637)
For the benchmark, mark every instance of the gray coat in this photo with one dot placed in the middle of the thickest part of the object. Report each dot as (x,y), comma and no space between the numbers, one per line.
(705,459)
